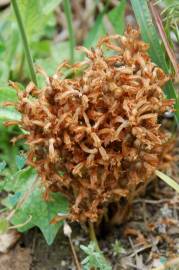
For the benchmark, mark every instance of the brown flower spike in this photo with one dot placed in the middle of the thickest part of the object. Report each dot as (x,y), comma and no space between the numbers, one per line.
(96,137)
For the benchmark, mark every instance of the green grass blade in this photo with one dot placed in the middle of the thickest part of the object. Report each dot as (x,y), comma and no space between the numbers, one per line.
(68,13)
(169,181)
(148,31)
(116,17)
(97,31)
(149,35)
(24,39)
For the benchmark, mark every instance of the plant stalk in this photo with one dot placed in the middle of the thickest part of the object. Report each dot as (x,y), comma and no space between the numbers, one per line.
(168,180)
(24,40)
(93,235)
(68,13)
(74,254)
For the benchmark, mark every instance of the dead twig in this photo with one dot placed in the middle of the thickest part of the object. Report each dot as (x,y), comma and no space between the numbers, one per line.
(67,232)
(140,250)
(155,201)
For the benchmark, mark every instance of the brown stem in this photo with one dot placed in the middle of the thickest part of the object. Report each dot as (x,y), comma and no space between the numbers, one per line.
(78,266)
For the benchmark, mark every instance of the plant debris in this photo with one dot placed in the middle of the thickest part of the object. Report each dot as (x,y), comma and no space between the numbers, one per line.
(8,240)
(95,137)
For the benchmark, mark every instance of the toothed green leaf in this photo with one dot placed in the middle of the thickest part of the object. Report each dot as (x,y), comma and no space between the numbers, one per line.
(34,205)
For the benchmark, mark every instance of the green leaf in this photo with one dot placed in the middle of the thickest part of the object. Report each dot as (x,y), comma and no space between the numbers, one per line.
(97,31)
(41,49)
(7,94)
(95,259)
(149,35)
(36,16)
(2,182)
(2,47)
(4,72)
(4,225)
(21,181)
(116,17)
(31,15)
(2,165)
(117,248)
(168,180)
(12,44)
(41,211)
(9,114)
(12,200)
(50,64)
(49,6)
(20,161)
(170,2)
(68,13)
(148,31)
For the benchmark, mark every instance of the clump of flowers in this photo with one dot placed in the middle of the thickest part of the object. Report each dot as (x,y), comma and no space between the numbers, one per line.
(95,137)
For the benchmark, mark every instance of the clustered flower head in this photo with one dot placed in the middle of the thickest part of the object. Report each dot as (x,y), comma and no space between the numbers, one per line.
(95,137)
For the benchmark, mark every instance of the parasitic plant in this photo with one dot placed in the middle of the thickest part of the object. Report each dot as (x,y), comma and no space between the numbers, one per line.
(95,137)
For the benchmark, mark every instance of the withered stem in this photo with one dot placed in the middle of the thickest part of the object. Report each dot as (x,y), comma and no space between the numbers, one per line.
(74,254)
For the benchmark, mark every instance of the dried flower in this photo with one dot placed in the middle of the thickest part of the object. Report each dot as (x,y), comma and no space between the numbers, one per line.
(67,230)
(96,137)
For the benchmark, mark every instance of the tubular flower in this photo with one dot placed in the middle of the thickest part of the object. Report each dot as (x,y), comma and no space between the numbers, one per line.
(95,137)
